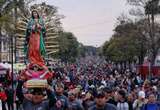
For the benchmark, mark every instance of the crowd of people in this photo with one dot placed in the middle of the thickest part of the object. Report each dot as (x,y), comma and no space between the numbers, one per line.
(89,84)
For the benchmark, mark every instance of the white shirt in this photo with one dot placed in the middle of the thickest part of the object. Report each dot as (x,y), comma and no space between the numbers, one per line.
(122,106)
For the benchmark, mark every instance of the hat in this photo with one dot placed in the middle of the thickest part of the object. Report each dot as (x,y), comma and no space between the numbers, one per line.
(122,93)
(79,86)
(83,93)
(100,94)
(141,94)
(59,85)
(71,93)
(155,88)
(37,91)
(101,87)
(92,86)
(108,89)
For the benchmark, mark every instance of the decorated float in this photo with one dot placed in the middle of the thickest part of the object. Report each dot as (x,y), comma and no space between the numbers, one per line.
(37,44)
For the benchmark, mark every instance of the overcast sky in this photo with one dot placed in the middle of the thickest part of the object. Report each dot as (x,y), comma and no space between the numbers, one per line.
(91,21)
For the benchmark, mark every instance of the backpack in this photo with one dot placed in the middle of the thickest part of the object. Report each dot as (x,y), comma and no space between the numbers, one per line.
(146,107)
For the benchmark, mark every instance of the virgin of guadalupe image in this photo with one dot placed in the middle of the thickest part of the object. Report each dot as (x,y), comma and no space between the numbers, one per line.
(34,46)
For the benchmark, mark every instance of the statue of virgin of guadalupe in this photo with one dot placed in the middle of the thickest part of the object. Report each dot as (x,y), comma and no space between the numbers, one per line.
(35,48)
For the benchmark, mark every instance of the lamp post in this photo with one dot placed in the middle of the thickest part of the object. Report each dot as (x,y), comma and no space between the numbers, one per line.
(12,60)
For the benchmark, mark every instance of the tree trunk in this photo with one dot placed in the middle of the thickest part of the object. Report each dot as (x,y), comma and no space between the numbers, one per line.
(154,50)
(141,57)
(151,25)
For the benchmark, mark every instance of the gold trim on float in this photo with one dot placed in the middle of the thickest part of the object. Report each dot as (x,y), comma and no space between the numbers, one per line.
(19,47)
(22,29)
(20,35)
(49,29)
(21,26)
(52,52)
(54,43)
(22,22)
(51,37)
(51,34)
(25,18)
(52,46)
(20,39)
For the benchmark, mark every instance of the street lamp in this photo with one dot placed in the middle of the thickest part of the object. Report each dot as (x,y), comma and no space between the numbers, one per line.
(12,60)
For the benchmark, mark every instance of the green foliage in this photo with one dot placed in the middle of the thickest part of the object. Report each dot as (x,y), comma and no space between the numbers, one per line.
(6,24)
(126,43)
(152,7)
(151,27)
(81,50)
(68,47)
(122,49)
(135,39)
(9,14)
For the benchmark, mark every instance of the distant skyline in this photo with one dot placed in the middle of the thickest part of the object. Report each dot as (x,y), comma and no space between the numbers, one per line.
(91,21)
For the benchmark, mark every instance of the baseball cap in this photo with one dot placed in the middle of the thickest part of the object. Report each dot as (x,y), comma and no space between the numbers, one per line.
(83,93)
(122,93)
(70,93)
(37,91)
(141,94)
(59,85)
(108,89)
(100,94)
(155,88)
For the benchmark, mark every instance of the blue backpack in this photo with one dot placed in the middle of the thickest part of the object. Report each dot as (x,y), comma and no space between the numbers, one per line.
(145,107)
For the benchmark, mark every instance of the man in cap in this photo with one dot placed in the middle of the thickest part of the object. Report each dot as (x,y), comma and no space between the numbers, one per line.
(34,99)
(74,104)
(138,103)
(109,94)
(122,103)
(101,103)
(62,101)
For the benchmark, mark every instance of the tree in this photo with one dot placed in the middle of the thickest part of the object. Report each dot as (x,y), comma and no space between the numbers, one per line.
(122,49)
(81,50)
(6,20)
(9,13)
(10,10)
(68,47)
(126,43)
(150,9)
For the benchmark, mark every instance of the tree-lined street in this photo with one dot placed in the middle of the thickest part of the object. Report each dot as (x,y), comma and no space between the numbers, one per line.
(47,62)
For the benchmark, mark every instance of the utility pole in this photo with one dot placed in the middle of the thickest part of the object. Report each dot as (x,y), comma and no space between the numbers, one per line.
(15,40)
